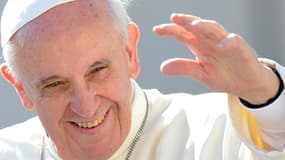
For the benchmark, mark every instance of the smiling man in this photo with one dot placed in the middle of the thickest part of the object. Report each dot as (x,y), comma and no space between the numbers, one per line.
(75,61)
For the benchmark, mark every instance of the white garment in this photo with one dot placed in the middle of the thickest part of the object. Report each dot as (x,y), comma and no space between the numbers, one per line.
(178,127)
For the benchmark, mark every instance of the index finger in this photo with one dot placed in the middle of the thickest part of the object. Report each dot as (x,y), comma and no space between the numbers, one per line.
(201,26)
(182,19)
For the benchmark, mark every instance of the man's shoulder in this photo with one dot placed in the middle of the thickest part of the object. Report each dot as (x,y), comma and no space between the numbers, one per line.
(28,127)
(213,102)
(185,116)
(21,140)
(25,132)
(192,107)
(202,107)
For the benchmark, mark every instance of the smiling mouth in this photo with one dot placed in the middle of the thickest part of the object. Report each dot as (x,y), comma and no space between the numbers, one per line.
(91,124)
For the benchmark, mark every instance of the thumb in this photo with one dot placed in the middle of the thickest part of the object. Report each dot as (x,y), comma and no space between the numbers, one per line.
(182,67)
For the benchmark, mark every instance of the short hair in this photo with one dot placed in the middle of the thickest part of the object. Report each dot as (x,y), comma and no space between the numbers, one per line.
(119,17)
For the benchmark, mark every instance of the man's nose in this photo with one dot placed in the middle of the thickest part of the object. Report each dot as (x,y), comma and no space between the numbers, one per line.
(85,103)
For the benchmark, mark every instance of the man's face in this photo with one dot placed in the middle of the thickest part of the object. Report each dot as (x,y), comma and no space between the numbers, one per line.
(76,71)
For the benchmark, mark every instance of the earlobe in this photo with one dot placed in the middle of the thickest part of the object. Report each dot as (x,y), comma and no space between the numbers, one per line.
(131,48)
(6,73)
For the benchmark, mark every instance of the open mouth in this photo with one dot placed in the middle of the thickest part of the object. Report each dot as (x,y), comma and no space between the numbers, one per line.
(91,124)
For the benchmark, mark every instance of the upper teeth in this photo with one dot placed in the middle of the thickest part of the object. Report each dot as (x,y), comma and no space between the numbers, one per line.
(91,124)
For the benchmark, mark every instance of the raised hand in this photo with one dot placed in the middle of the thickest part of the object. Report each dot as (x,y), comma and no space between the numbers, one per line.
(224,61)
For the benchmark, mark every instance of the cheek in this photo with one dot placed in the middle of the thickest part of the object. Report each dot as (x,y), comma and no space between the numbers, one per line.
(118,88)
(125,107)
(50,112)
(117,84)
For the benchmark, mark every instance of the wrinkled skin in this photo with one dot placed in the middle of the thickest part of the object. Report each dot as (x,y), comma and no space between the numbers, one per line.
(224,61)
(76,70)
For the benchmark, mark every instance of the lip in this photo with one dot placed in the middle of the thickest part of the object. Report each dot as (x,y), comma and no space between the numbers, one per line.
(92,130)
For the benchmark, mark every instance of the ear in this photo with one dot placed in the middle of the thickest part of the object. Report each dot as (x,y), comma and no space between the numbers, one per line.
(6,73)
(131,48)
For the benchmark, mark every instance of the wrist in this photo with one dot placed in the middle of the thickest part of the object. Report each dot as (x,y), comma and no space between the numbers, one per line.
(271,99)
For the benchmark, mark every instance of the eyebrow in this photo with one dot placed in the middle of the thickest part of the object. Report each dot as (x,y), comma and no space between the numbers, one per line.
(100,62)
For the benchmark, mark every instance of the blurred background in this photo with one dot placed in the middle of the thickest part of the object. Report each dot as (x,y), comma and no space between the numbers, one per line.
(260,22)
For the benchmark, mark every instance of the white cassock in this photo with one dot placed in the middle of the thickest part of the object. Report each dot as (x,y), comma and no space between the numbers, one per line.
(213,126)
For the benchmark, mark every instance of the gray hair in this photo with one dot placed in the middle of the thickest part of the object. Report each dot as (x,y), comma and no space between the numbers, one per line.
(119,18)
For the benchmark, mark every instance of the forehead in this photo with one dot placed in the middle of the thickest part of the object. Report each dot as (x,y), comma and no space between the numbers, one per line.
(68,30)
(65,18)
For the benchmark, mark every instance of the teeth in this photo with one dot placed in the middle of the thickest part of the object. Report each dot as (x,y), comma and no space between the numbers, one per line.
(91,124)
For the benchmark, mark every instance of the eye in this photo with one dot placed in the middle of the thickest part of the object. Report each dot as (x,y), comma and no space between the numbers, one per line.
(98,73)
(53,84)
(97,69)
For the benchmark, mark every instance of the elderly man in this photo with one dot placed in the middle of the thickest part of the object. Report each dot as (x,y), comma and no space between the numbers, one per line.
(75,61)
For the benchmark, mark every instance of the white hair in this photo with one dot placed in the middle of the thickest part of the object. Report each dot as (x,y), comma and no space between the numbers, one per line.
(119,18)
(119,15)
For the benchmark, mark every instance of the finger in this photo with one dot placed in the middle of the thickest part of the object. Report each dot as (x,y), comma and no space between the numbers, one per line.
(182,67)
(182,19)
(174,31)
(198,45)
(237,47)
(201,35)
(233,42)
(176,18)
(193,23)
(185,37)
(206,30)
